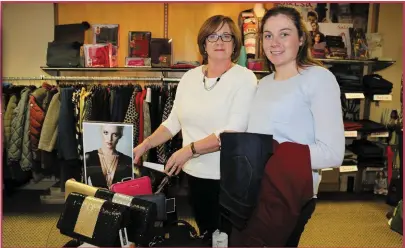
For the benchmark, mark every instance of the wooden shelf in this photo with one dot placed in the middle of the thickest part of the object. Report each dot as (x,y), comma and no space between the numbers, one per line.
(376,66)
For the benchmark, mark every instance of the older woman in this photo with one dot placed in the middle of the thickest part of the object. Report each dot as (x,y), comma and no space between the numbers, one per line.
(210,99)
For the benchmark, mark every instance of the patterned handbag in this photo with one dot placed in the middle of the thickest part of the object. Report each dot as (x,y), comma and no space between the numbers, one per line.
(92,220)
(142,215)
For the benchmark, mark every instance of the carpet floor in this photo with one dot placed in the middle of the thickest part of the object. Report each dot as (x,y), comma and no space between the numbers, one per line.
(335,223)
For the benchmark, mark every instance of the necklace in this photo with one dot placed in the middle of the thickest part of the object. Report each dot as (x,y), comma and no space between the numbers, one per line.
(216,82)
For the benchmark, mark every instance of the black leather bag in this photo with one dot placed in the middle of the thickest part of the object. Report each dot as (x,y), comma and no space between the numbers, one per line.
(65,54)
(142,215)
(160,201)
(74,32)
(92,220)
(180,234)
(243,159)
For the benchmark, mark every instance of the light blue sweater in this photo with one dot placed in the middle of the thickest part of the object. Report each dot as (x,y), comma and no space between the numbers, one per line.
(305,109)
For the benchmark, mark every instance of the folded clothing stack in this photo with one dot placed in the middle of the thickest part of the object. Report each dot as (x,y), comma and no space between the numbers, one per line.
(369,154)
(350,158)
(375,84)
(352,126)
(369,126)
(349,83)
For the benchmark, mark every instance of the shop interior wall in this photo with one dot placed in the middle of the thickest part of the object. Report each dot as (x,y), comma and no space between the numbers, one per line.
(184,21)
(390,25)
(27,29)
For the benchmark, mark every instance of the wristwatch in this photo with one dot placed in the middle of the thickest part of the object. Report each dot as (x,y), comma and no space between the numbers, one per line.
(195,154)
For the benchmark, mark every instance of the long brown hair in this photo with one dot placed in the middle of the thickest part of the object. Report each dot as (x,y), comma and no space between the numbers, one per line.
(304,58)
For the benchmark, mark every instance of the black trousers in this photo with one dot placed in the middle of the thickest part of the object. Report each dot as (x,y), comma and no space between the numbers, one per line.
(204,201)
(305,215)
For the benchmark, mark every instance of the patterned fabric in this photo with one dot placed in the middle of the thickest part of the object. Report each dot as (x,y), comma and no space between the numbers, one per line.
(88,108)
(78,134)
(147,127)
(132,115)
(26,156)
(163,150)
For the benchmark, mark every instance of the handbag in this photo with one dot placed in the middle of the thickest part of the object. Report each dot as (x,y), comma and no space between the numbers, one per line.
(142,215)
(93,220)
(63,54)
(180,234)
(160,201)
(243,159)
(73,186)
(137,186)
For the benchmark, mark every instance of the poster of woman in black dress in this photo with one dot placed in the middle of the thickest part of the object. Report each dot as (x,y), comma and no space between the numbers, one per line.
(107,152)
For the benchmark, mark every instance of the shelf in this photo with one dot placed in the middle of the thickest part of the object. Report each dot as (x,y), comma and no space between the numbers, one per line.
(376,66)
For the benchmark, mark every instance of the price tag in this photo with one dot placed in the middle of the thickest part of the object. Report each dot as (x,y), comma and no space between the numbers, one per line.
(354,95)
(382,97)
(327,169)
(351,134)
(379,135)
(350,168)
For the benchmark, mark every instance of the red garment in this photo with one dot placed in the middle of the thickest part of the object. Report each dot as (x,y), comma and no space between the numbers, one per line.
(390,156)
(286,188)
(352,126)
(141,121)
(37,117)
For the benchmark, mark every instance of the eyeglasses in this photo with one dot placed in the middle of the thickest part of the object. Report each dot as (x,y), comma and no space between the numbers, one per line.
(224,37)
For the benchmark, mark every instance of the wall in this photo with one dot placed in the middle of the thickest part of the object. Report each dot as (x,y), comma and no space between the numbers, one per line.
(184,35)
(184,21)
(390,25)
(27,29)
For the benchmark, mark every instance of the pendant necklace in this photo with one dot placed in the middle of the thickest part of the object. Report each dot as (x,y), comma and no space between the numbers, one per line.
(216,82)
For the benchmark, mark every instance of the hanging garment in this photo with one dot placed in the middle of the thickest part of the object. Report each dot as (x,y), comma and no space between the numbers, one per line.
(162,149)
(101,105)
(37,116)
(131,116)
(8,117)
(17,127)
(287,186)
(76,109)
(146,126)
(49,134)
(120,102)
(88,107)
(26,153)
(67,143)
(141,116)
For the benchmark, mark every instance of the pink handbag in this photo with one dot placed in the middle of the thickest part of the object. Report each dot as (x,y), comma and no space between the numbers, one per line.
(137,186)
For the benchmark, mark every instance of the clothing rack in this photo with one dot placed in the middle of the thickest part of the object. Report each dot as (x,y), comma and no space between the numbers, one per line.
(85,78)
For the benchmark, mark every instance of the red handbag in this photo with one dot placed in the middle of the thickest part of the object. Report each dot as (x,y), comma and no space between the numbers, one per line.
(137,186)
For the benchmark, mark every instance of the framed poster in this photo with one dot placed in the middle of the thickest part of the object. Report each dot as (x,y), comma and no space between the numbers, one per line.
(108,156)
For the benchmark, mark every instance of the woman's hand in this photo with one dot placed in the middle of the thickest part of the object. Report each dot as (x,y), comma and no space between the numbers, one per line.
(177,160)
(140,150)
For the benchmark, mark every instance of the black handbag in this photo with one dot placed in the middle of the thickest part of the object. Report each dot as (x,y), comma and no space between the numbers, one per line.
(74,32)
(180,234)
(65,54)
(242,162)
(92,220)
(160,201)
(142,215)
